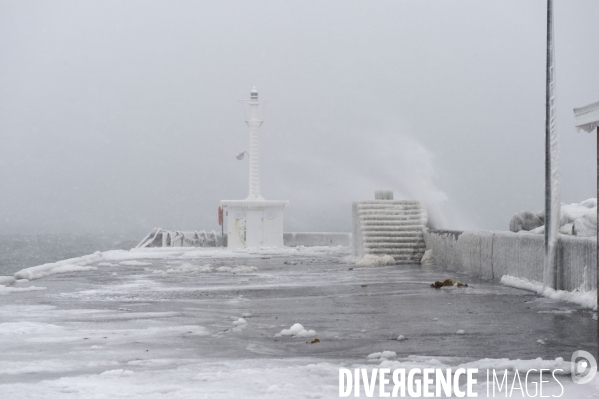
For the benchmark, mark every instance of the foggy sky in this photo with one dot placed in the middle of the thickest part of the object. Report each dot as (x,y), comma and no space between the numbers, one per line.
(117,117)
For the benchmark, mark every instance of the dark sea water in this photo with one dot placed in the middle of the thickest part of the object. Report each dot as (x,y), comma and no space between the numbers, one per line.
(20,251)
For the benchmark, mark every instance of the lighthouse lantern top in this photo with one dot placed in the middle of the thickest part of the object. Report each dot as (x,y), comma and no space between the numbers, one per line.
(254,94)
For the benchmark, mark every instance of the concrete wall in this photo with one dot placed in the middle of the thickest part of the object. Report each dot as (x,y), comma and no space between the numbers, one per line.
(492,254)
(316,239)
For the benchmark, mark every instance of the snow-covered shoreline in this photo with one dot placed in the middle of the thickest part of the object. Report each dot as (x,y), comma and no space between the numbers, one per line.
(83,263)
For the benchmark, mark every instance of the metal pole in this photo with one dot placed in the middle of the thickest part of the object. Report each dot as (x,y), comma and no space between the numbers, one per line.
(552,197)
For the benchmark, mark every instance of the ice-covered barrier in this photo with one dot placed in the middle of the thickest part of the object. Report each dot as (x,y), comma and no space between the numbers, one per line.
(494,254)
(164,238)
(64,266)
(389,227)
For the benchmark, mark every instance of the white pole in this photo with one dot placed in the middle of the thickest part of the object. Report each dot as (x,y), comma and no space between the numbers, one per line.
(552,175)
(254,124)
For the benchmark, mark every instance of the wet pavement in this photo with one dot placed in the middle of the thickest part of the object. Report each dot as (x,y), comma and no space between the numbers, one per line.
(94,321)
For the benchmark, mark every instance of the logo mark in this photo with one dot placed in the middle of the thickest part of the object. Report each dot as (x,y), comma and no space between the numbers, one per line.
(584,370)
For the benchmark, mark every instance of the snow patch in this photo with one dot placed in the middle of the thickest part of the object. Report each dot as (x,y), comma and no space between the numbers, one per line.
(7,280)
(306,334)
(7,290)
(382,355)
(521,365)
(586,299)
(297,330)
(119,373)
(240,325)
(118,255)
(575,219)
(135,263)
(428,259)
(375,260)
(187,267)
(63,266)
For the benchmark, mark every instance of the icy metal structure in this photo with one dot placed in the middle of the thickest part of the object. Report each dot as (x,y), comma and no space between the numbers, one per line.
(254,222)
(165,238)
(388,227)
(552,175)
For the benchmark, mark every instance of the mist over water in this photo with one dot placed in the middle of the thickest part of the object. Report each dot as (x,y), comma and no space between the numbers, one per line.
(117,117)
(20,251)
(393,161)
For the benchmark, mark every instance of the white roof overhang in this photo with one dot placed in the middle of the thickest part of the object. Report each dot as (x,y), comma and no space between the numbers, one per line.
(587,117)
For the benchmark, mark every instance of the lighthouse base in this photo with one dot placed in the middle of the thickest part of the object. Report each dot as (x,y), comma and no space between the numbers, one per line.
(254,223)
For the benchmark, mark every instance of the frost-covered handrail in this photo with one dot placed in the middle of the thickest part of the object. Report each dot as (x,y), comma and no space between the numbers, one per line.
(165,238)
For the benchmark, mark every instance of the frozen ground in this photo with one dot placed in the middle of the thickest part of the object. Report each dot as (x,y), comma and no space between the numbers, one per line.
(211,324)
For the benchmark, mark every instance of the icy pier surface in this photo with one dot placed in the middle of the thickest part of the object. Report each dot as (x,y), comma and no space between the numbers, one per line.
(217,324)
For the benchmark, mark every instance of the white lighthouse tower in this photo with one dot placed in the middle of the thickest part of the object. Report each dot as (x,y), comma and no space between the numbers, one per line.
(254,122)
(254,222)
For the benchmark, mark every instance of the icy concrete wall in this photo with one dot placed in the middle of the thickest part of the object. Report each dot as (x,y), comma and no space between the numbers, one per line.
(316,239)
(577,262)
(492,254)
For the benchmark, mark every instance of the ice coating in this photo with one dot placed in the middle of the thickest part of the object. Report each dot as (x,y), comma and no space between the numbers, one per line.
(64,266)
(254,123)
(578,219)
(552,170)
(587,299)
(388,227)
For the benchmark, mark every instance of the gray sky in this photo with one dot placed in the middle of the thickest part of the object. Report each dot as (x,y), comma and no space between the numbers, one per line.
(118,117)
